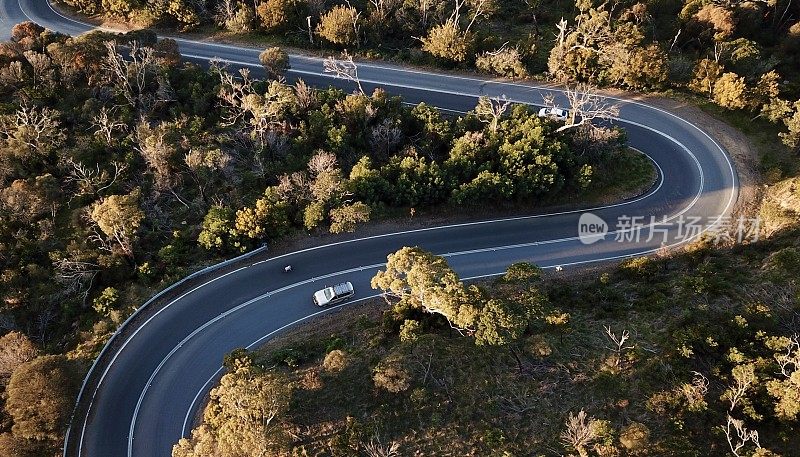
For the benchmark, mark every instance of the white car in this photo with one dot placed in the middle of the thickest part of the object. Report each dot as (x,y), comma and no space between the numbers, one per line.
(556,113)
(334,294)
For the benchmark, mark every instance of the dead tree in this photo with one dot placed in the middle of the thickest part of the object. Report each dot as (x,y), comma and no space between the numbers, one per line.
(344,68)
(579,433)
(132,76)
(585,107)
(491,110)
(618,347)
(107,125)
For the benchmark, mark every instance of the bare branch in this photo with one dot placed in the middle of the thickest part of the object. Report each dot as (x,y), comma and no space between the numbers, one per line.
(491,111)
(106,125)
(585,107)
(739,436)
(790,362)
(131,76)
(375,448)
(618,344)
(743,378)
(343,68)
(579,432)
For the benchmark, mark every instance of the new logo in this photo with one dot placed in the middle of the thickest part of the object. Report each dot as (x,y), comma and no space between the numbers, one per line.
(591,228)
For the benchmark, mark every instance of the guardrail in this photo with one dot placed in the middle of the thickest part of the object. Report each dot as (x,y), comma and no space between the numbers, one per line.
(127,325)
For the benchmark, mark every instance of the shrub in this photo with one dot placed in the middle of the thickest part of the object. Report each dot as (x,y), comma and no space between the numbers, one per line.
(502,62)
(335,361)
(275,61)
(448,42)
(392,374)
(522,272)
(635,436)
(730,91)
(41,394)
(340,25)
(15,349)
(106,300)
(410,331)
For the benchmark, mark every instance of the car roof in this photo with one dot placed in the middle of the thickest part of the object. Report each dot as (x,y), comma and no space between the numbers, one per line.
(343,287)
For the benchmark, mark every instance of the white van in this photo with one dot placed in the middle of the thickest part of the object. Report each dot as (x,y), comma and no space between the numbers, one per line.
(335,294)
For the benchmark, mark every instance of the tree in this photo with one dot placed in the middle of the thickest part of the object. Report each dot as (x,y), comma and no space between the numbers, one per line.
(245,411)
(258,114)
(739,436)
(730,91)
(383,9)
(326,186)
(158,148)
(134,78)
(618,345)
(275,62)
(340,25)
(216,228)
(235,16)
(189,13)
(346,217)
(530,155)
(343,68)
(744,378)
(501,323)
(106,301)
(450,40)
(787,390)
(14,446)
(366,183)
(36,130)
(486,187)
(706,74)
(15,350)
(576,54)
(638,67)
(41,395)
(119,218)
(766,93)
(201,444)
(522,273)
(27,31)
(719,19)
(410,331)
(490,111)
(425,281)
(279,15)
(268,218)
(28,200)
(313,215)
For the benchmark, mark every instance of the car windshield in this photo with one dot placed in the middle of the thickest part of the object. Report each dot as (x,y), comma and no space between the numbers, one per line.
(328,293)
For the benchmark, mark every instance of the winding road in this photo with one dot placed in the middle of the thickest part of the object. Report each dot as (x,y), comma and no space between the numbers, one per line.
(152,380)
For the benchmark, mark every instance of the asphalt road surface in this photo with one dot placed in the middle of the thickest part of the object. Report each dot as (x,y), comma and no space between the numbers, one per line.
(160,372)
